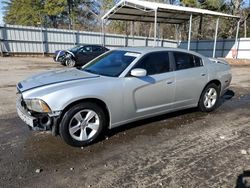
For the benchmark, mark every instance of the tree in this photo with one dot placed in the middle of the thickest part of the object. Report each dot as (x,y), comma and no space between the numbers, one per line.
(23,12)
(54,8)
(114,26)
(190,3)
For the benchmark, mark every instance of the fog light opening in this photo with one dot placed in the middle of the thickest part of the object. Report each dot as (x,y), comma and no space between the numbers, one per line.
(45,121)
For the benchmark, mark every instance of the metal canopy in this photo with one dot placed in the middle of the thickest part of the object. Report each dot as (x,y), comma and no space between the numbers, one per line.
(144,11)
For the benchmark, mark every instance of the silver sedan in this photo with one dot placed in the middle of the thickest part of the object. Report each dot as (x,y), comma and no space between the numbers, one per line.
(118,87)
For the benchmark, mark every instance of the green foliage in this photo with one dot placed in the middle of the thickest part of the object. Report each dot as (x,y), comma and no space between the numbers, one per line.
(190,3)
(51,13)
(213,5)
(53,8)
(24,12)
(108,4)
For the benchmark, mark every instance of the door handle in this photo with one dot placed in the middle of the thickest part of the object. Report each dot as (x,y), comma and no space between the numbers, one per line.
(203,74)
(169,82)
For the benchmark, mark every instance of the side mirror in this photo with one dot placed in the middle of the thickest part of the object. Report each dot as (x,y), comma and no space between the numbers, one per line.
(138,72)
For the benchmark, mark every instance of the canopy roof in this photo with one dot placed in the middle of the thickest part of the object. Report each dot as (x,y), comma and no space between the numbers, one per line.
(144,11)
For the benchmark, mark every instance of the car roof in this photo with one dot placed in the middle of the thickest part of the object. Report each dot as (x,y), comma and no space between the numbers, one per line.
(144,50)
(82,45)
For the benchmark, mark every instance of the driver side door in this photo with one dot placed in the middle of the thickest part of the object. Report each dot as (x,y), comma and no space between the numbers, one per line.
(154,93)
(84,55)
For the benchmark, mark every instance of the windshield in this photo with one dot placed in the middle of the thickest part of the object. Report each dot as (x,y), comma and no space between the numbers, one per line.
(112,63)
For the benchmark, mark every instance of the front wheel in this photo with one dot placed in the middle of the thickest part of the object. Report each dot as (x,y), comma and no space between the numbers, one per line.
(209,98)
(70,62)
(82,124)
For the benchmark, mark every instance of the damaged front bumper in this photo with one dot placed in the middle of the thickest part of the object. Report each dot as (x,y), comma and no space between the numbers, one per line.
(37,121)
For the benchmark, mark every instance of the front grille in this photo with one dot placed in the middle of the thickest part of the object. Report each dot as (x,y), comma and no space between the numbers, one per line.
(21,101)
(23,104)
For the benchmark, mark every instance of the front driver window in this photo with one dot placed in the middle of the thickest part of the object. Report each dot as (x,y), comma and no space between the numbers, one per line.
(155,63)
(86,49)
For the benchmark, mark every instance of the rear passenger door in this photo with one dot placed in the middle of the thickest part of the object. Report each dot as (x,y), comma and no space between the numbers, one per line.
(191,77)
(85,55)
(96,51)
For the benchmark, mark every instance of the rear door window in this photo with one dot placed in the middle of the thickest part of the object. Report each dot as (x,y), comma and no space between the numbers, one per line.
(97,49)
(186,61)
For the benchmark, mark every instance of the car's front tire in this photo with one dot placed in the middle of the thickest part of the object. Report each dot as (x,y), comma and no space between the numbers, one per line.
(82,124)
(70,62)
(209,98)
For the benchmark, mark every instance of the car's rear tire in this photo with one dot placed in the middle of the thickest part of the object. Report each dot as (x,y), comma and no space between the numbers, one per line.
(83,124)
(209,98)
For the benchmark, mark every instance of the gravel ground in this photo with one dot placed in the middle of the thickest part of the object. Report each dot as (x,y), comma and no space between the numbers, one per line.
(181,149)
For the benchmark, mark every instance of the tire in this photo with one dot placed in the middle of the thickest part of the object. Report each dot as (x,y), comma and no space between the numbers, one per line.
(83,124)
(70,62)
(209,98)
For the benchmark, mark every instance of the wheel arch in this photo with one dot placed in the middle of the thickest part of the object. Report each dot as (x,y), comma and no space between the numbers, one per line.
(200,102)
(99,102)
(216,82)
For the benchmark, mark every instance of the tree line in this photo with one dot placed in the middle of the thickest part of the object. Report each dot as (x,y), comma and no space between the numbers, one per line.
(86,15)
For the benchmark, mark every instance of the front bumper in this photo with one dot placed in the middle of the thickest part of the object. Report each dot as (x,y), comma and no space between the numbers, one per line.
(38,122)
(59,56)
(25,116)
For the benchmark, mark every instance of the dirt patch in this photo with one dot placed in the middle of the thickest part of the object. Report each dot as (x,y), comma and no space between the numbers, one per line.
(6,86)
(238,61)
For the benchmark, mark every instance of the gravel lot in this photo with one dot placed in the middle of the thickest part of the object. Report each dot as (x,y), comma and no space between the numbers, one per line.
(182,149)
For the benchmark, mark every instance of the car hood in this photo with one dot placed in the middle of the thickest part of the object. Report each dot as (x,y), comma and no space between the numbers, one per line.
(53,77)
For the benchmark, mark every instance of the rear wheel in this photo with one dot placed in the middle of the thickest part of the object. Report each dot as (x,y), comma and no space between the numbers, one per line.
(209,98)
(82,124)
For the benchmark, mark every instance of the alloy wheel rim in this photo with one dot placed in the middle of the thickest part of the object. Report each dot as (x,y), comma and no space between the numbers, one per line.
(70,63)
(84,125)
(210,98)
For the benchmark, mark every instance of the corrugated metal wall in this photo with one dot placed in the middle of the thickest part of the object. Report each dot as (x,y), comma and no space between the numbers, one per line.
(224,48)
(20,39)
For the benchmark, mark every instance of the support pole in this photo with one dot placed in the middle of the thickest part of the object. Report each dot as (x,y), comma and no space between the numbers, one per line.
(177,34)
(155,29)
(133,32)
(236,39)
(215,36)
(158,34)
(103,33)
(200,27)
(1,40)
(190,31)
(245,28)
(42,40)
(126,35)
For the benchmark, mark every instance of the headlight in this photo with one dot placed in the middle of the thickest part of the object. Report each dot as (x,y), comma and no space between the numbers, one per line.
(37,105)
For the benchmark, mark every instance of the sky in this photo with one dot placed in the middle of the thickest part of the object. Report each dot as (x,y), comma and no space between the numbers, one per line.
(247,3)
(1,12)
